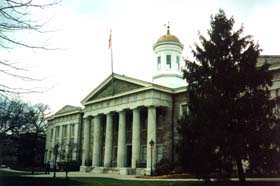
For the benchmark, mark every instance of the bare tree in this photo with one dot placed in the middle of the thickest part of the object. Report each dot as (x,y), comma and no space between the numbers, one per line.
(71,146)
(16,17)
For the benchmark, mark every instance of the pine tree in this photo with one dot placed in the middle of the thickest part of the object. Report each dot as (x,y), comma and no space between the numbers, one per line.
(231,114)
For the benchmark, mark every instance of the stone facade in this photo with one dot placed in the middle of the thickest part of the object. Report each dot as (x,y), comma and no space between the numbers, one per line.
(64,129)
(274,62)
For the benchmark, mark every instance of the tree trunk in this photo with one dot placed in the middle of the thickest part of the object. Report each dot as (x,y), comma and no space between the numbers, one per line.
(241,174)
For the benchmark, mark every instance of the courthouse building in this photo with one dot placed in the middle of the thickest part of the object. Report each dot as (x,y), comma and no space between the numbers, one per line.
(127,125)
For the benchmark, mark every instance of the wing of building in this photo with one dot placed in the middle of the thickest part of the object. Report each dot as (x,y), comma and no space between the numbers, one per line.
(127,125)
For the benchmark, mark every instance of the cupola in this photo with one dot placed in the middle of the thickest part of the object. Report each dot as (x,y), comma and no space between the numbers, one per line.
(168,53)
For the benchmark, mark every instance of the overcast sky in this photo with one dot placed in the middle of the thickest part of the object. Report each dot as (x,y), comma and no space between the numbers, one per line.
(82,32)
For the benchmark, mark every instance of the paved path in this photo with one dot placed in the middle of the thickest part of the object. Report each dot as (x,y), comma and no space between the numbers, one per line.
(84,174)
(124,177)
(11,170)
(115,176)
(133,177)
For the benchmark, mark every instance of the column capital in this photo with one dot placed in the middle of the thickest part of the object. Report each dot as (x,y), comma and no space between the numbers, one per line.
(88,117)
(109,113)
(151,106)
(134,107)
(120,110)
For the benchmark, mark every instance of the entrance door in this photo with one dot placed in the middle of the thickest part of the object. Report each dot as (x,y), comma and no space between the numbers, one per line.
(128,155)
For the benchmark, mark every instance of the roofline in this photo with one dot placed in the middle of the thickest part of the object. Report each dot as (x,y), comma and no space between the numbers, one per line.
(56,114)
(117,76)
(64,114)
(152,87)
(180,89)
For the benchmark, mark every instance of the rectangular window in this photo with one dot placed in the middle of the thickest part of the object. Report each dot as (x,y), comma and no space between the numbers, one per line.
(158,63)
(64,131)
(184,110)
(115,153)
(115,122)
(143,152)
(159,152)
(128,121)
(62,154)
(168,61)
(50,155)
(72,130)
(143,119)
(159,120)
(52,134)
(178,62)
(277,92)
(273,93)
(115,126)
(57,132)
(144,123)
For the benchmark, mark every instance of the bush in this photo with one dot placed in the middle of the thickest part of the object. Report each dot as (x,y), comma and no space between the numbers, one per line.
(163,167)
(177,169)
(70,166)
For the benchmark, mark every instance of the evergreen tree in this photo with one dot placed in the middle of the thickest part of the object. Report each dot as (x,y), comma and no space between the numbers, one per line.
(232,118)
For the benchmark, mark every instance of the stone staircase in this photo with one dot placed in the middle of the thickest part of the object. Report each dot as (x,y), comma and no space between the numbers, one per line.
(114,170)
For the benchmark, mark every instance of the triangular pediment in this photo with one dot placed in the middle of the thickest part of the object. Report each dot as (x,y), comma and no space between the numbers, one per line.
(67,109)
(120,86)
(114,85)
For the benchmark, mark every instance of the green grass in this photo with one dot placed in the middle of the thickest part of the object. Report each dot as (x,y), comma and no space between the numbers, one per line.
(15,179)
(116,182)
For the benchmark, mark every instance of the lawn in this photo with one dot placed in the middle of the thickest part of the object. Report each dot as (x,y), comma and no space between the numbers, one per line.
(15,179)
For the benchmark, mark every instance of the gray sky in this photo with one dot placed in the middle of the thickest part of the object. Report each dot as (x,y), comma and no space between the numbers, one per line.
(83,33)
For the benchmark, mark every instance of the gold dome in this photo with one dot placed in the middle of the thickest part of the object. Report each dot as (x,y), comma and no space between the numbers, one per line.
(168,37)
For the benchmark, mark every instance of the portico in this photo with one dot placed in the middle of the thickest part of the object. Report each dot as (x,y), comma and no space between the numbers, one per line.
(123,116)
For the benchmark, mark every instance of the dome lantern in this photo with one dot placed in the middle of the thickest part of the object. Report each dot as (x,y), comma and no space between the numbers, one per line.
(168,53)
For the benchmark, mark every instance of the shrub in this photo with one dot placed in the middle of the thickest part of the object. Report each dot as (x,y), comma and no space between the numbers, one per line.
(163,167)
(70,166)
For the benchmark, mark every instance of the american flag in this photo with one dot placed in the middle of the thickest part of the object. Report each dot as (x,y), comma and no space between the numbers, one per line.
(110,39)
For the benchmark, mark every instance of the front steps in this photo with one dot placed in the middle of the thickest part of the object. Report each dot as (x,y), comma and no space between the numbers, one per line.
(114,170)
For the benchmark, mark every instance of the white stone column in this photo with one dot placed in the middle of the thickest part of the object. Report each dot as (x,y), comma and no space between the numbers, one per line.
(151,135)
(60,143)
(53,143)
(135,137)
(68,140)
(86,141)
(108,141)
(96,141)
(76,141)
(121,140)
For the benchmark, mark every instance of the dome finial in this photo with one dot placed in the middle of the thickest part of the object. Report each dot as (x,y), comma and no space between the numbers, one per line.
(167,28)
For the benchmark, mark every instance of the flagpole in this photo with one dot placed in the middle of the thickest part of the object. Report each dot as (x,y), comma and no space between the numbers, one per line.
(112,66)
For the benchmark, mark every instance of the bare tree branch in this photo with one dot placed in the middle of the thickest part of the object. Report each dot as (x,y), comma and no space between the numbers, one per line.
(16,17)
(5,63)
